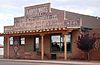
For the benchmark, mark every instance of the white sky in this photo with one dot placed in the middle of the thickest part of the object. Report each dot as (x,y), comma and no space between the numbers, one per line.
(14,8)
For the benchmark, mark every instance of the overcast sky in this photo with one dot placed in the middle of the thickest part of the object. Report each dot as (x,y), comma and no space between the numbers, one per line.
(14,8)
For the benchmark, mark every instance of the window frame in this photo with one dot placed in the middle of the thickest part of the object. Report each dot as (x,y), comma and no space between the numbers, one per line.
(35,48)
(57,34)
(62,42)
(17,40)
(11,40)
(22,39)
(70,33)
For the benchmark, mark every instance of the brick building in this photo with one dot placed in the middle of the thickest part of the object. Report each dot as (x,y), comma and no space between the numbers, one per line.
(48,33)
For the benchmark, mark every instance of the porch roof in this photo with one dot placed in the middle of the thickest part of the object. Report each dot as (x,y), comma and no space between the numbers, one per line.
(30,32)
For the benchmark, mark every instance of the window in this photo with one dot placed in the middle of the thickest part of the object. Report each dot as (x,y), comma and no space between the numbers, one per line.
(11,40)
(36,43)
(17,40)
(22,40)
(69,42)
(57,42)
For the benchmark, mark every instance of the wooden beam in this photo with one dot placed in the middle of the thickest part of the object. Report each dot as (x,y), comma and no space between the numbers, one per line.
(65,46)
(42,46)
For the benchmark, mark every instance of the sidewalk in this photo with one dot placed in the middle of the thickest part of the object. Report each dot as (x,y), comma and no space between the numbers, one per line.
(52,61)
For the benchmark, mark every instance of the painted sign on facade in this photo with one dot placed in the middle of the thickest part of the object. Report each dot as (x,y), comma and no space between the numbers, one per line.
(72,23)
(40,17)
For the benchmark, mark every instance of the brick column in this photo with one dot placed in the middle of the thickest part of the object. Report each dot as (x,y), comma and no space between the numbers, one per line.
(7,47)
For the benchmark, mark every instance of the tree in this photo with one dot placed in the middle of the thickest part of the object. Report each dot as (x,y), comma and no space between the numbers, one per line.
(86,42)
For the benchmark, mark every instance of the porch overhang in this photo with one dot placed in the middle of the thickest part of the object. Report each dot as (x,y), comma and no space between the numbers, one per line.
(45,31)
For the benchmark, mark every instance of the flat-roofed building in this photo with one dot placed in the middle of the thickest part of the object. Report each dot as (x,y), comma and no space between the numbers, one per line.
(48,33)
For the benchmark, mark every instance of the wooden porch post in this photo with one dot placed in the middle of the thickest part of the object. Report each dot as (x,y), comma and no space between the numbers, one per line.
(65,46)
(42,46)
